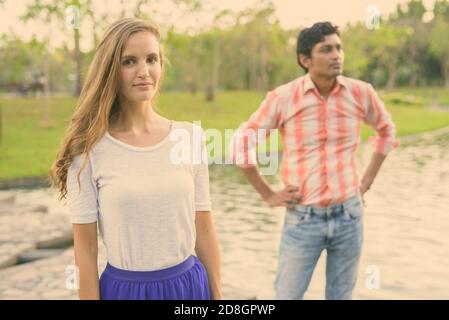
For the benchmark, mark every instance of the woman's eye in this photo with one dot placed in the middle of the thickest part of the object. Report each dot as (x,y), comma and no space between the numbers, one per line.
(128,62)
(152,60)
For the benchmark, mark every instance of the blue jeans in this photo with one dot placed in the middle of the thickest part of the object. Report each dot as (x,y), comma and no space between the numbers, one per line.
(306,233)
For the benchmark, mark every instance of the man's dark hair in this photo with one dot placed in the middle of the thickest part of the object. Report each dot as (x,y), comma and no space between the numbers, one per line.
(309,37)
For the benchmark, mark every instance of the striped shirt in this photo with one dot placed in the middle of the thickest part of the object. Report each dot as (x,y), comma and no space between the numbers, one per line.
(320,136)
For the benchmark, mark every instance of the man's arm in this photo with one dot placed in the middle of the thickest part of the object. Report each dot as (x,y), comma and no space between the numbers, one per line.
(377,116)
(287,197)
(371,172)
(268,116)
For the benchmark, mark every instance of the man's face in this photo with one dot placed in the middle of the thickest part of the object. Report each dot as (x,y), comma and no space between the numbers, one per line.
(326,58)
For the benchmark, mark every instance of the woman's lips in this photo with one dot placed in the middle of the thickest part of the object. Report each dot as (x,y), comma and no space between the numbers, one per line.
(143,86)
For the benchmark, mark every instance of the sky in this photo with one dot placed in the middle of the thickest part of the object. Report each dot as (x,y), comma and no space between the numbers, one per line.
(292,14)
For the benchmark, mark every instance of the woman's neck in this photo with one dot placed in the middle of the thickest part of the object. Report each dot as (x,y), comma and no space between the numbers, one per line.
(135,117)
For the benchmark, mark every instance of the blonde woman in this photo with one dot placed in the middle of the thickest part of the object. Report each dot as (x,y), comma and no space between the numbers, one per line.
(116,168)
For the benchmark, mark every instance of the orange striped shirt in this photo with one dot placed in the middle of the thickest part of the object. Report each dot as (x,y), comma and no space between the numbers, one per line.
(320,136)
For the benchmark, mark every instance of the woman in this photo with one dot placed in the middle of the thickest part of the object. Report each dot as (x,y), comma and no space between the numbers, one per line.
(116,167)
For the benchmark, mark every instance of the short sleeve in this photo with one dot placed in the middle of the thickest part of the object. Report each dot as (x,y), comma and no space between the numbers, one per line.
(254,131)
(201,173)
(379,118)
(82,202)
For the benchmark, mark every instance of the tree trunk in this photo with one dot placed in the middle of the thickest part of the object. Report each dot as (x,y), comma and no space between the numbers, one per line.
(193,87)
(212,87)
(263,86)
(414,80)
(95,31)
(1,125)
(94,21)
(414,66)
(46,89)
(446,77)
(252,69)
(392,74)
(78,61)
(195,79)
(123,11)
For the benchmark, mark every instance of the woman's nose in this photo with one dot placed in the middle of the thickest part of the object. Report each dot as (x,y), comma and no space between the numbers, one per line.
(143,70)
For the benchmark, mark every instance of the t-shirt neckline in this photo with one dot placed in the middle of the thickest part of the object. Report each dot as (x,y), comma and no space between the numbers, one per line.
(136,148)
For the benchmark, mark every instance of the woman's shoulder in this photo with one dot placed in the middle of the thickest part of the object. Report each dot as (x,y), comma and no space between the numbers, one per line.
(99,148)
(101,144)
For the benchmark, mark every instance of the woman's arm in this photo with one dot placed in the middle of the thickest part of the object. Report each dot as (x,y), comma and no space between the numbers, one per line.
(208,251)
(86,254)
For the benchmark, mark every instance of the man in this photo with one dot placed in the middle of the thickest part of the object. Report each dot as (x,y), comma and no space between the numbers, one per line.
(319,117)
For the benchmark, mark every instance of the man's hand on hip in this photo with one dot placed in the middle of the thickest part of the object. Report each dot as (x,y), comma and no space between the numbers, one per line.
(287,197)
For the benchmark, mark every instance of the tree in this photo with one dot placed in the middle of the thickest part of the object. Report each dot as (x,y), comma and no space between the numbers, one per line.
(439,45)
(55,10)
(387,44)
(441,9)
(357,53)
(215,41)
(416,47)
(19,60)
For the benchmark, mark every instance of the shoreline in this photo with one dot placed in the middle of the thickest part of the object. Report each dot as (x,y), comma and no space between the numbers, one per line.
(43,182)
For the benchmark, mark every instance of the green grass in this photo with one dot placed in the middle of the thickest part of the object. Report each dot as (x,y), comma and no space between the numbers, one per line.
(418,96)
(28,148)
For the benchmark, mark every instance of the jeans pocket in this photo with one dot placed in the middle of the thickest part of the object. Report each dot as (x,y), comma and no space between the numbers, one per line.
(294,217)
(354,211)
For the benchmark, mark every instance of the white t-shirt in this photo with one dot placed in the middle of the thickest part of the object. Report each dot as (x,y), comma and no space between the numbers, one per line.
(144,198)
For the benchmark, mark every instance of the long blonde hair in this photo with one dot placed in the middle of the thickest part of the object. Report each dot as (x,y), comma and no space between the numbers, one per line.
(97,104)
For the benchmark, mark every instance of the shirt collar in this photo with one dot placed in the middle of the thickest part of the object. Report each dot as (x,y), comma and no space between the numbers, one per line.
(309,85)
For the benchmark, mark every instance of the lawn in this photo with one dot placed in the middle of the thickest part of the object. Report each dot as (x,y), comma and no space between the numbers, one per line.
(28,148)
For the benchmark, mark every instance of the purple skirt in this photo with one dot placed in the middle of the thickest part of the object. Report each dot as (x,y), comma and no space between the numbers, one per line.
(185,281)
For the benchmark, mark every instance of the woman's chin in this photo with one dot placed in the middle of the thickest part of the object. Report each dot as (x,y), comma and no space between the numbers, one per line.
(143,97)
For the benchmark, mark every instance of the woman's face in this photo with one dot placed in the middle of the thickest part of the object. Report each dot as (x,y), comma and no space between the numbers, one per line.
(141,69)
